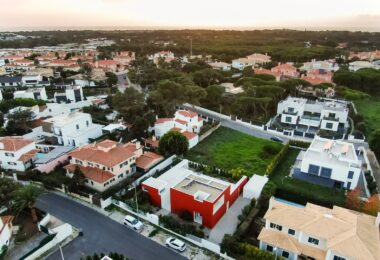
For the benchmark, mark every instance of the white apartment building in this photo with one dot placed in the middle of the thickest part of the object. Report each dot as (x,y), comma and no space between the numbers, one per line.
(329,163)
(320,64)
(107,163)
(72,129)
(326,114)
(34,81)
(71,94)
(16,153)
(295,232)
(360,64)
(34,93)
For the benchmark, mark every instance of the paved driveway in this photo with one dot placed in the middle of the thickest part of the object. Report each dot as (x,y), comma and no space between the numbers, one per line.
(101,234)
(229,222)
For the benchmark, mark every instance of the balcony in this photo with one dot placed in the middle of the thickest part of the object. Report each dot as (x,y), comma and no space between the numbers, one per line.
(293,113)
(331,118)
(314,118)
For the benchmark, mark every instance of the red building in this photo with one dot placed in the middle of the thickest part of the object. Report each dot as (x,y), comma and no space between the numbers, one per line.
(181,189)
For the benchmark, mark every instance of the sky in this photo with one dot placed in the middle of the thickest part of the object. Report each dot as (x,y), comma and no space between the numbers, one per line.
(329,14)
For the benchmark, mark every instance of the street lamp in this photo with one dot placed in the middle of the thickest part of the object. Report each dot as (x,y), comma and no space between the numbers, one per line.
(137,204)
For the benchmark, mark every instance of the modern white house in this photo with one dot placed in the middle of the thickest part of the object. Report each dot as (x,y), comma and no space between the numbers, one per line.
(360,64)
(219,65)
(329,163)
(326,114)
(320,64)
(107,163)
(250,60)
(34,93)
(72,129)
(71,94)
(16,153)
(34,81)
(295,232)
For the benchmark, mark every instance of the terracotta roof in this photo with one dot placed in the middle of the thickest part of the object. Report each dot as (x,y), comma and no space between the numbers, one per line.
(346,232)
(163,120)
(315,81)
(14,143)
(107,62)
(189,135)
(28,155)
(107,152)
(148,160)
(176,129)
(187,113)
(24,61)
(179,121)
(265,71)
(151,142)
(92,173)
(284,66)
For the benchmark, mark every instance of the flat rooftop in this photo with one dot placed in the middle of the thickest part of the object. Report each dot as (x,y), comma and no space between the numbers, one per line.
(64,119)
(201,187)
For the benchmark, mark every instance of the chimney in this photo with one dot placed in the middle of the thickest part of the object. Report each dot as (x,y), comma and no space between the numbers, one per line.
(138,145)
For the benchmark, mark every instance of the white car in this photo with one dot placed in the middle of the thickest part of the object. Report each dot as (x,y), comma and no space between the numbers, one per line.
(175,244)
(133,223)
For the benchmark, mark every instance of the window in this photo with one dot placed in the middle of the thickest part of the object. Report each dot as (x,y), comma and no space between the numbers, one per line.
(144,188)
(348,185)
(329,125)
(77,126)
(87,123)
(12,163)
(350,174)
(285,254)
(291,109)
(313,169)
(288,119)
(312,240)
(338,258)
(291,232)
(332,115)
(9,154)
(269,248)
(326,172)
(78,162)
(90,164)
(275,226)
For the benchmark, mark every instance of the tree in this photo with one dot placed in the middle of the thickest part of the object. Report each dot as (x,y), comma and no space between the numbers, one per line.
(207,77)
(129,104)
(353,200)
(173,143)
(18,122)
(77,181)
(374,142)
(247,72)
(214,96)
(86,69)
(26,197)
(7,189)
(111,79)
(372,206)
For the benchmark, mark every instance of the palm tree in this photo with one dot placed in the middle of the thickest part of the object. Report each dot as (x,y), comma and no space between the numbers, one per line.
(26,197)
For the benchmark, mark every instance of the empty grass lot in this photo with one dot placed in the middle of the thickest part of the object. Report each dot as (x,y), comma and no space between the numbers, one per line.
(229,149)
(370,110)
(300,191)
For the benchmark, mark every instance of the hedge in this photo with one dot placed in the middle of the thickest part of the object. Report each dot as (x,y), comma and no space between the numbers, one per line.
(300,144)
(276,160)
(173,224)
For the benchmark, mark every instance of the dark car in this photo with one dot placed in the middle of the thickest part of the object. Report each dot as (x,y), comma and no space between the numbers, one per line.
(277,139)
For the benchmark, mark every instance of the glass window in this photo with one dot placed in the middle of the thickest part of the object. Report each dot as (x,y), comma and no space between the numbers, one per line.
(350,174)
(313,240)
(275,226)
(269,248)
(291,232)
(326,172)
(77,126)
(329,125)
(285,254)
(288,119)
(338,258)
(9,154)
(313,169)
(348,185)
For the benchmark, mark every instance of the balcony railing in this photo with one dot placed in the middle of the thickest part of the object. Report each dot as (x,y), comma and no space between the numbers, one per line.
(331,118)
(315,118)
(294,113)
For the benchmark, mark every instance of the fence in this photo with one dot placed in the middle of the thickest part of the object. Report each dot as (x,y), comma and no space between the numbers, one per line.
(154,219)
(209,132)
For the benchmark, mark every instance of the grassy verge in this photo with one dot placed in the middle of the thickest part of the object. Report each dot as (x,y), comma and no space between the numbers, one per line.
(370,110)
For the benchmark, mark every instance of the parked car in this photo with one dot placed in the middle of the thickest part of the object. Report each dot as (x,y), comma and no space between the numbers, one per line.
(133,223)
(176,244)
(277,139)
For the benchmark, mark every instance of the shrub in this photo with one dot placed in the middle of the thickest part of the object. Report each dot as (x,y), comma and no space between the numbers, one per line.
(172,223)
(300,144)
(276,160)
(186,215)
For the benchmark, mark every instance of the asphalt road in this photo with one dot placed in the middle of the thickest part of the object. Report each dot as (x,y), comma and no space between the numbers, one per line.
(101,234)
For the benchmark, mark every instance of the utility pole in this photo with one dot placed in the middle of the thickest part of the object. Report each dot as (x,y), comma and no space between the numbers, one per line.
(191,47)
(137,204)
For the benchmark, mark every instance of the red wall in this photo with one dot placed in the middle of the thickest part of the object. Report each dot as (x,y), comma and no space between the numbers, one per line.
(154,195)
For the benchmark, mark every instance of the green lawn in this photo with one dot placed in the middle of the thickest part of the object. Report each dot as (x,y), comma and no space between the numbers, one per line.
(370,110)
(229,149)
(299,191)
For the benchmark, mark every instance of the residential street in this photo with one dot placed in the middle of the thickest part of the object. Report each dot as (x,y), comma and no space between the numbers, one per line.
(101,234)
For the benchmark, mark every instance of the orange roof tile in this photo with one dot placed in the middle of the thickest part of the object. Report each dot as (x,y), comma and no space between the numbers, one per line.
(163,120)
(189,135)
(14,143)
(187,113)
(107,152)
(28,155)
(92,173)
(148,160)
(182,122)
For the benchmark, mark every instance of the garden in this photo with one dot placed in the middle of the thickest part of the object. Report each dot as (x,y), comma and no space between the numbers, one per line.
(370,110)
(229,149)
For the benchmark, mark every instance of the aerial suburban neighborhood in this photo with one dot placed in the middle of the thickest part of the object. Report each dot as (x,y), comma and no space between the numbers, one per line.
(189,141)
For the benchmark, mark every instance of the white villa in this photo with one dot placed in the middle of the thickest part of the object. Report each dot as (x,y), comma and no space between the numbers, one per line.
(326,114)
(319,64)
(250,60)
(329,163)
(72,129)
(294,232)
(16,153)
(34,93)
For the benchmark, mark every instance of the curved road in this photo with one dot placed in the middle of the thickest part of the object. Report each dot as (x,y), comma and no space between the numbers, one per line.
(101,234)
